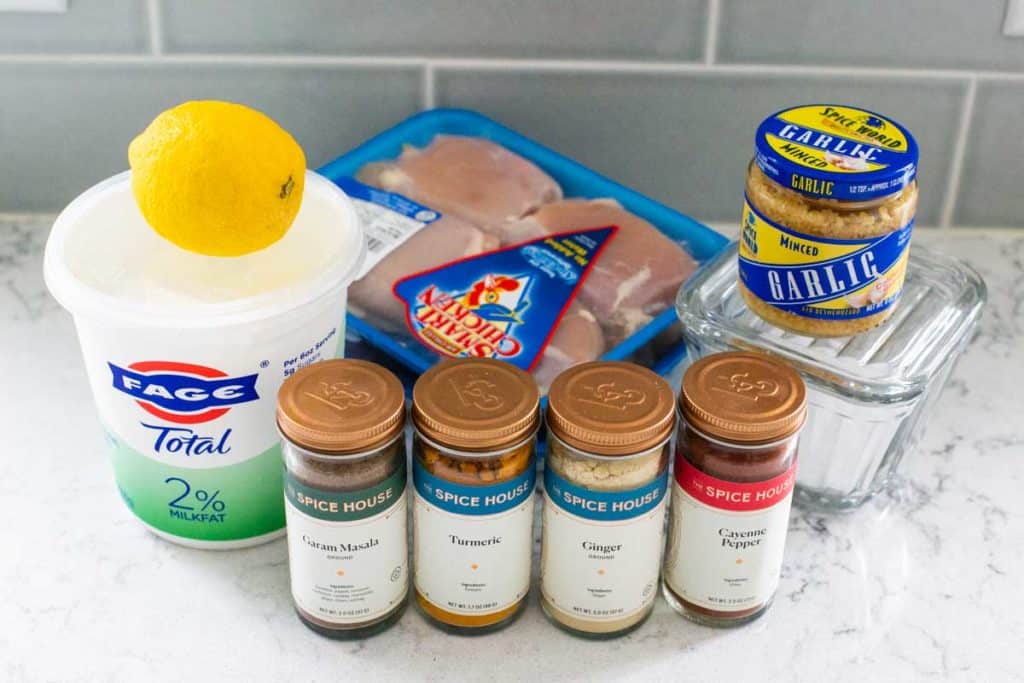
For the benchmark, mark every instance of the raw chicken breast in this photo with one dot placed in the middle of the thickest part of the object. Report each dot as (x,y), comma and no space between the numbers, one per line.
(447,239)
(638,273)
(469,177)
(577,339)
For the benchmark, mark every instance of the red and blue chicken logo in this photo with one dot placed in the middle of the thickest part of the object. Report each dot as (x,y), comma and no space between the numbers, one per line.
(502,304)
(498,298)
(183,393)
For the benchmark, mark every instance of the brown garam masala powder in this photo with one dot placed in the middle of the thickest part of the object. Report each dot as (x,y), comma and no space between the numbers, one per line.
(342,426)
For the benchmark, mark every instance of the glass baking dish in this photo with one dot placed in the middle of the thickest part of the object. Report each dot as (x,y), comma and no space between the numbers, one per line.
(869,394)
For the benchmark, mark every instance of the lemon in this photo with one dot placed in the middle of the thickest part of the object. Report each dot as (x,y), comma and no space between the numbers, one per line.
(217,178)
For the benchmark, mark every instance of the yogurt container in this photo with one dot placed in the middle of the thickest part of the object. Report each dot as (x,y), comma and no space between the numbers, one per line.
(185,353)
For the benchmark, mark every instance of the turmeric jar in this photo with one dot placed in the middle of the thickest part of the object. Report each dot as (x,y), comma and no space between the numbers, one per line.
(605,480)
(830,201)
(474,473)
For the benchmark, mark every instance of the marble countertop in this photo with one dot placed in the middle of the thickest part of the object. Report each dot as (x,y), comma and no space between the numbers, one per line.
(918,584)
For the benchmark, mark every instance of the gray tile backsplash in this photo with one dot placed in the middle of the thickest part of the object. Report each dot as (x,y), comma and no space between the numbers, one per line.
(639,29)
(67,127)
(88,26)
(948,34)
(660,94)
(992,189)
(686,139)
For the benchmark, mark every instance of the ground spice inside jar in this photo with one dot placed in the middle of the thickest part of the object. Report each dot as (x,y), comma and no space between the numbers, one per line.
(735,469)
(474,472)
(830,202)
(605,480)
(342,426)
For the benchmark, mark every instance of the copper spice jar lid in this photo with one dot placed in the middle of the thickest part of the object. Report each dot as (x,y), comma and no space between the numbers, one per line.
(611,408)
(476,404)
(341,406)
(743,397)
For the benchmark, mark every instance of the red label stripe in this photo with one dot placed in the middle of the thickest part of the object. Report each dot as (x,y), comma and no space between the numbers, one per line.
(731,495)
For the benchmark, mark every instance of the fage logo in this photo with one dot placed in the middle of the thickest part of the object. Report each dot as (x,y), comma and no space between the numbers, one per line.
(183,393)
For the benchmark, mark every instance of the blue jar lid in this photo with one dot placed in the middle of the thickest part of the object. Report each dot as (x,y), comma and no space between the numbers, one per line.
(836,152)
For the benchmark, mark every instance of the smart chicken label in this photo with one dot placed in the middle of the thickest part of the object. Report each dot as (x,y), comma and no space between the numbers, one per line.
(504,304)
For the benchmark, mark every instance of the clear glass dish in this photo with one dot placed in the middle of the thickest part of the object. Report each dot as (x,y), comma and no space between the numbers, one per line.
(869,394)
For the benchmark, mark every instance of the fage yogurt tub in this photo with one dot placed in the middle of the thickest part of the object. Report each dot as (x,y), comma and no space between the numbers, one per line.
(185,353)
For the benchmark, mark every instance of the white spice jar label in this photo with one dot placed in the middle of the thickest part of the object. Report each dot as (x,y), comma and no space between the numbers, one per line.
(602,549)
(348,551)
(473,544)
(727,538)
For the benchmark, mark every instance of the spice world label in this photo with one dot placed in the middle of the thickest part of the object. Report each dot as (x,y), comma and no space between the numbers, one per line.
(819,277)
(345,506)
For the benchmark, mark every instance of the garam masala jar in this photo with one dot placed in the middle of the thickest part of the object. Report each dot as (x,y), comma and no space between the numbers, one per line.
(735,469)
(342,425)
(474,471)
(605,480)
(830,201)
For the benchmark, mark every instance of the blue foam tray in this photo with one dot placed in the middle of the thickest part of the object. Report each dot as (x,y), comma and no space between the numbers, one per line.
(576,181)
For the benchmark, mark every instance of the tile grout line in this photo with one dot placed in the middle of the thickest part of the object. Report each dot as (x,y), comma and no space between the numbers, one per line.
(711,31)
(656,67)
(956,165)
(213,59)
(156,31)
(427,96)
(508,64)
(725,228)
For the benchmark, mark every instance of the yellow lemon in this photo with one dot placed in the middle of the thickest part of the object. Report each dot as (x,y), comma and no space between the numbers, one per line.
(217,178)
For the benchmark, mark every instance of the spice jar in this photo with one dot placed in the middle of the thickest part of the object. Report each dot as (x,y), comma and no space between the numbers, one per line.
(830,202)
(474,471)
(605,479)
(342,423)
(734,474)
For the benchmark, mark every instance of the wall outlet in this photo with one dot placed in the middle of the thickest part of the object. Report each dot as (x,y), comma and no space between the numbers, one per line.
(33,5)
(1013,25)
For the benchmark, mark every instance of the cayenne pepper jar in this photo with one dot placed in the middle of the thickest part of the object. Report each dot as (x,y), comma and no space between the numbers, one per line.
(735,469)
(605,480)
(342,424)
(474,469)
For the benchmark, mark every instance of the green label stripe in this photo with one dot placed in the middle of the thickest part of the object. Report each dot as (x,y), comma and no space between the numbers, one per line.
(228,503)
(345,506)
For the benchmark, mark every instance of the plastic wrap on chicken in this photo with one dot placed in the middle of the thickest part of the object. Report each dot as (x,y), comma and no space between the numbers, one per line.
(473,178)
(577,339)
(447,239)
(636,276)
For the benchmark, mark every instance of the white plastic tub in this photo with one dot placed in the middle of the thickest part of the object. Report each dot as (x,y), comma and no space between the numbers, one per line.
(185,353)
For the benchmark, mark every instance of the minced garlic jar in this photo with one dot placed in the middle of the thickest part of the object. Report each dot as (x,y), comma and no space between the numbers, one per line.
(605,484)
(474,470)
(830,201)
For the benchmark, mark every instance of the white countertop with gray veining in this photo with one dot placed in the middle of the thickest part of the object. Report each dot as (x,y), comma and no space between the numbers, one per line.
(921,583)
